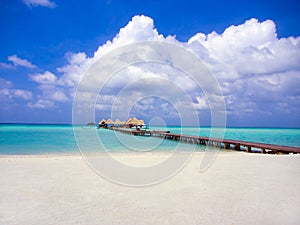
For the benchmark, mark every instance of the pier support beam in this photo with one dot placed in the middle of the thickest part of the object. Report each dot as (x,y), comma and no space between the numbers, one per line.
(237,147)
(226,145)
(248,148)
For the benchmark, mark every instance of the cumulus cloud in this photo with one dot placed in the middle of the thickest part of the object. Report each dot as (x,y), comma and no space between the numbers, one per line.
(53,93)
(23,94)
(43,78)
(16,93)
(50,90)
(77,65)
(50,93)
(41,104)
(254,67)
(140,28)
(248,49)
(35,3)
(8,93)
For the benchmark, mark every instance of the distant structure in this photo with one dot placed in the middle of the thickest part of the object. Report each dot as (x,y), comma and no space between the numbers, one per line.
(102,123)
(130,123)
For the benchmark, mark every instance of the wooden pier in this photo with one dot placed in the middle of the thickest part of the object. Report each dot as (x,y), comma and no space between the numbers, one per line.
(215,142)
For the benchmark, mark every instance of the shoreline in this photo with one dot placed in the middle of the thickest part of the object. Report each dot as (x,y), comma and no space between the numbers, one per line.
(141,153)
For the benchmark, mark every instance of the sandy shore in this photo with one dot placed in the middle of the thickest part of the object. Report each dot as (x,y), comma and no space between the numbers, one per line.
(238,188)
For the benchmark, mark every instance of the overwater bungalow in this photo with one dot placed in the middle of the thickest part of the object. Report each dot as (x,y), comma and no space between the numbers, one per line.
(109,123)
(101,123)
(118,123)
(130,123)
(134,122)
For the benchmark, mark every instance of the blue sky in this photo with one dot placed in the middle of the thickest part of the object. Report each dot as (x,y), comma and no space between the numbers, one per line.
(44,43)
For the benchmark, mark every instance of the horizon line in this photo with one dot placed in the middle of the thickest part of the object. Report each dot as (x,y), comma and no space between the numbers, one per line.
(173,125)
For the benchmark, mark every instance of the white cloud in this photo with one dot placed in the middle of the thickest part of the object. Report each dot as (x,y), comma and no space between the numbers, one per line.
(201,103)
(20,62)
(35,3)
(250,48)
(43,78)
(51,91)
(23,94)
(244,59)
(253,66)
(15,93)
(6,65)
(59,96)
(49,96)
(41,104)
(7,92)
(5,83)
(140,28)
(77,65)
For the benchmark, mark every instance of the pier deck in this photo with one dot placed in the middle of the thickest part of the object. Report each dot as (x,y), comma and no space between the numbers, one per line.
(215,142)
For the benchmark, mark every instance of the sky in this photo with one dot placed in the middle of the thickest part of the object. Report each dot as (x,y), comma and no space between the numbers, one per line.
(251,47)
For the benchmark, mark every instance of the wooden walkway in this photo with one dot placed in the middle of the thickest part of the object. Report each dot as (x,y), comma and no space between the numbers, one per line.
(215,142)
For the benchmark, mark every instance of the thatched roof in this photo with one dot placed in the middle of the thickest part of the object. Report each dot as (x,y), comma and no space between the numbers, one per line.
(141,122)
(135,121)
(117,121)
(109,121)
(102,121)
(127,122)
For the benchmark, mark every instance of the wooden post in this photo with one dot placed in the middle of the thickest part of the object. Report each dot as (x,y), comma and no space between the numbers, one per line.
(248,148)
(237,147)
(226,145)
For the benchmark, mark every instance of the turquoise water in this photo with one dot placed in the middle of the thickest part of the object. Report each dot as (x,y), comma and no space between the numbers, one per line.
(47,139)
(37,139)
(279,136)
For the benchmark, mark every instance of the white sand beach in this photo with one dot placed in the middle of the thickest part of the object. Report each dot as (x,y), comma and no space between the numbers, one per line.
(238,188)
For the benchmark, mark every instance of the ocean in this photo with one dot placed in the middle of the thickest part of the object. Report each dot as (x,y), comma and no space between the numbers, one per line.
(52,139)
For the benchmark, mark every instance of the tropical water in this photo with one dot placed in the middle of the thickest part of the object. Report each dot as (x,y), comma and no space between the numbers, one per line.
(49,139)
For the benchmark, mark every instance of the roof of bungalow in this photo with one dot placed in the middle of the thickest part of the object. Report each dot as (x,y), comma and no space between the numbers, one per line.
(141,122)
(109,121)
(135,121)
(102,121)
(127,122)
(117,121)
